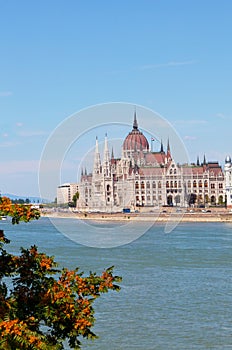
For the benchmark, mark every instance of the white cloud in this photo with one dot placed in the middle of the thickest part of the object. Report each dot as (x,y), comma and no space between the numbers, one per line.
(223,116)
(8,144)
(17,166)
(5,93)
(190,138)
(19,124)
(168,64)
(156,65)
(190,122)
(32,133)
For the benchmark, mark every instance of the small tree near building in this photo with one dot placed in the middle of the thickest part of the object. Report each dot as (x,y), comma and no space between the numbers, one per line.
(75,198)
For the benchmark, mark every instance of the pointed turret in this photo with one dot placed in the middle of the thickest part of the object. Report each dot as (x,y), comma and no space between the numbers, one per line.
(198,161)
(169,157)
(204,160)
(112,154)
(97,159)
(106,150)
(161,147)
(135,124)
(106,160)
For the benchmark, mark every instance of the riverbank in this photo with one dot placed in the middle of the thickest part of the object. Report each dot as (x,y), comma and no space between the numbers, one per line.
(195,216)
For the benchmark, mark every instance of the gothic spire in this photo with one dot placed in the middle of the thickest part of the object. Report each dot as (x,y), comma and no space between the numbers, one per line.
(97,159)
(161,147)
(112,154)
(106,151)
(169,157)
(204,161)
(168,146)
(198,162)
(106,161)
(135,124)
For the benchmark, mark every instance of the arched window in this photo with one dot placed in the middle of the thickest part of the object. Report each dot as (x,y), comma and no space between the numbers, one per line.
(213,200)
(220,200)
(169,200)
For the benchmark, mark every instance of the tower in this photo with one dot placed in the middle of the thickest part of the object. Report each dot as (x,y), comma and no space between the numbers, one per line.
(97,160)
(107,177)
(228,181)
(169,157)
(106,159)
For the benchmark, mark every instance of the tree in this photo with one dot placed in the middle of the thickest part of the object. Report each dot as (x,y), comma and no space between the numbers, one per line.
(18,212)
(75,198)
(44,305)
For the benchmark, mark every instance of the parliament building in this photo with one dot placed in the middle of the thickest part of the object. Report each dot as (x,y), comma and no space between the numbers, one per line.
(143,178)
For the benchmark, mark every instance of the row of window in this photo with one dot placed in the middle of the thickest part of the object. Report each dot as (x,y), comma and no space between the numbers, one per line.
(175,184)
(207,199)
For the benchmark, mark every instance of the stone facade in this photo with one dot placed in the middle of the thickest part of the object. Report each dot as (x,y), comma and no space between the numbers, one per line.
(228,181)
(142,178)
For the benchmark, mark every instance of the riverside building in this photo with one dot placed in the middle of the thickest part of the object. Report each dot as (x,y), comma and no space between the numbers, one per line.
(143,178)
(65,192)
(228,181)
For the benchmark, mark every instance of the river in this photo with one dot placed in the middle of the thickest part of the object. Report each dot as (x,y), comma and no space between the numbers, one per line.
(176,292)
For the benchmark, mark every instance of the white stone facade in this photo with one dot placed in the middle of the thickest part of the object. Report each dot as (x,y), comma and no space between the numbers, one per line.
(228,181)
(141,178)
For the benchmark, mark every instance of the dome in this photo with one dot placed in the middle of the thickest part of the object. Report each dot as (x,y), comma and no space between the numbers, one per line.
(135,140)
(228,159)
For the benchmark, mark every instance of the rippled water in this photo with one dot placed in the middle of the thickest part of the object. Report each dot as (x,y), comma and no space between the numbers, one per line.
(176,290)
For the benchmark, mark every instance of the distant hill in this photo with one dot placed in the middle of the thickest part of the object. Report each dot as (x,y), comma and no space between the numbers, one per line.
(31,199)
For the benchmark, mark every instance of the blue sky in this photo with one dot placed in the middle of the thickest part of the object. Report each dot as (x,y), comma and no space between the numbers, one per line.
(57,57)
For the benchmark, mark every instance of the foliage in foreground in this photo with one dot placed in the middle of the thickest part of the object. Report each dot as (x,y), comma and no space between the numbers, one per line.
(43,305)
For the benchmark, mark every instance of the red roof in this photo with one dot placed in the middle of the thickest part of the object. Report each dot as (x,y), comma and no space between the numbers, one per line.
(135,141)
(155,158)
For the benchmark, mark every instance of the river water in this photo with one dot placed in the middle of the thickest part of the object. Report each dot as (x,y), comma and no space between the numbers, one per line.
(176,291)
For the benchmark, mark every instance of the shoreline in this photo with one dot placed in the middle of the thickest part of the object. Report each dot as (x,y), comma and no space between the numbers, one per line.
(143,217)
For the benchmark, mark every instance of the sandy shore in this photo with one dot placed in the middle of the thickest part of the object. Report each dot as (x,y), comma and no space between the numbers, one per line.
(156,217)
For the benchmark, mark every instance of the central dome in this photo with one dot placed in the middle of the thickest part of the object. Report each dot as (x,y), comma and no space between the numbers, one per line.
(135,140)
